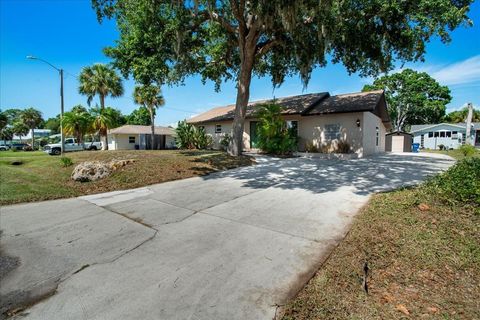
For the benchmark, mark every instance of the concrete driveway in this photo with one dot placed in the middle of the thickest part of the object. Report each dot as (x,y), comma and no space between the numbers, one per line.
(231,245)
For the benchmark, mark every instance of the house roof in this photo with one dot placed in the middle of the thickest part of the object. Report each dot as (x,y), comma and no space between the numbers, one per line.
(135,129)
(399,133)
(308,105)
(290,105)
(422,127)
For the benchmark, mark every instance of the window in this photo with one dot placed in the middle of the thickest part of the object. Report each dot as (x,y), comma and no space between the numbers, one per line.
(449,134)
(422,141)
(377,136)
(332,132)
(218,128)
(430,134)
(131,139)
(442,134)
(436,134)
(293,126)
(454,132)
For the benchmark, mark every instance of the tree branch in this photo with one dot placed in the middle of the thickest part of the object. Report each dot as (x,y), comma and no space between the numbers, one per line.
(264,47)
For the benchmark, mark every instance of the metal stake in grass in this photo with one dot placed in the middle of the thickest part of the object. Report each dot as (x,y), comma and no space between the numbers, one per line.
(365,277)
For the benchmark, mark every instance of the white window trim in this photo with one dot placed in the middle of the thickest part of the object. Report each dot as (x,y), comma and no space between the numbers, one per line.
(218,128)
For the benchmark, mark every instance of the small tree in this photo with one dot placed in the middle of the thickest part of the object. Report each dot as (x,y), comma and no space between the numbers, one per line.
(31,118)
(3,120)
(77,122)
(103,81)
(166,41)
(273,134)
(102,120)
(460,116)
(7,134)
(150,97)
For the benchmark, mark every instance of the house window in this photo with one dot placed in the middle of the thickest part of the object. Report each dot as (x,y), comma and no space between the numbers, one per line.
(292,125)
(430,134)
(422,141)
(131,139)
(332,132)
(449,134)
(218,128)
(442,134)
(436,134)
(377,136)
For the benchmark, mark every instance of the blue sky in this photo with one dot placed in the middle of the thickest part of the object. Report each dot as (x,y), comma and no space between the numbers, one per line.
(67,34)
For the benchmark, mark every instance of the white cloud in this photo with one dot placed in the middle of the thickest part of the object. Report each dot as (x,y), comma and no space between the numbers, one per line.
(462,72)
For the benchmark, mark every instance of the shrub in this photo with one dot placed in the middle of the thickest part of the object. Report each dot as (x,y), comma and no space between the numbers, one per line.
(225,142)
(273,134)
(202,140)
(185,135)
(441,147)
(66,161)
(190,137)
(468,150)
(342,147)
(311,147)
(460,184)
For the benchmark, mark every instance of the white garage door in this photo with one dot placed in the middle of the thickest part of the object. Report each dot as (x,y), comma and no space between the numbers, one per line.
(397,143)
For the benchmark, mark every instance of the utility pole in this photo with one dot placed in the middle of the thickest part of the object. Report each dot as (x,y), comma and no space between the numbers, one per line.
(469,123)
(60,71)
(62,137)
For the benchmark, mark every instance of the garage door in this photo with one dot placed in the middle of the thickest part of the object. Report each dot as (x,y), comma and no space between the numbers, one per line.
(397,143)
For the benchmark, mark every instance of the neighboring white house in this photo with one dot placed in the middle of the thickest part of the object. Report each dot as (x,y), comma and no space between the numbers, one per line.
(361,119)
(449,135)
(138,137)
(39,133)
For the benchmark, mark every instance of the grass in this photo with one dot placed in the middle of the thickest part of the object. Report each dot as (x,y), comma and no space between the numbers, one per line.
(456,153)
(424,260)
(44,177)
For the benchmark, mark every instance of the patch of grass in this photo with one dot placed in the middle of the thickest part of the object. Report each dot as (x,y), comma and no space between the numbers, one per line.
(43,177)
(424,259)
(456,153)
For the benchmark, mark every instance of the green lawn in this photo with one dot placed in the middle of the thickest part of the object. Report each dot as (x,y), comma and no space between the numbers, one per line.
(42,177)
(457,154)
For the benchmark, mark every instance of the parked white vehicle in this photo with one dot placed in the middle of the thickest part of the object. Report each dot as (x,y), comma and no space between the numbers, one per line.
(71,144)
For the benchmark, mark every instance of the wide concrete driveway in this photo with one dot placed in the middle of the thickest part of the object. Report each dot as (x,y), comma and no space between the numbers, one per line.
(232,245)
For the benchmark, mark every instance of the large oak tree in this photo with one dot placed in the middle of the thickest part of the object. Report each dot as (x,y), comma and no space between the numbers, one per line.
(164,41)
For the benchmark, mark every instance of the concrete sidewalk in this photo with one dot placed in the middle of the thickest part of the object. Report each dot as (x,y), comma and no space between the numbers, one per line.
(231,245)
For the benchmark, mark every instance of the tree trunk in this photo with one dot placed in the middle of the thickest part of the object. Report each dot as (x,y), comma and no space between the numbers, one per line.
(243,94)
(104,132)
(33,139)
(152,124)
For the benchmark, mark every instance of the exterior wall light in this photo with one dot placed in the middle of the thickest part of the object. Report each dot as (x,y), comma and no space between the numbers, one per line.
(358,123)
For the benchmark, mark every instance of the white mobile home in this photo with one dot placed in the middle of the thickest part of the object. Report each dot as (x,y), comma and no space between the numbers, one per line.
(449,135)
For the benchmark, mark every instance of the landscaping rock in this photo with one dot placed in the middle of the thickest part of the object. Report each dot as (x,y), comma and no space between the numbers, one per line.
(95,170)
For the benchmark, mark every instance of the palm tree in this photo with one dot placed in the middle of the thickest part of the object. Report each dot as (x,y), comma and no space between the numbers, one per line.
(31,118)
(7,134)
(77,122)
(20,129)
(103,81)
(150,96)
(102,120)
(3,120)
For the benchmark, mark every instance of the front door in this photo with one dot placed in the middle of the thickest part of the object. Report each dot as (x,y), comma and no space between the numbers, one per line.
(477,138)
(253,135)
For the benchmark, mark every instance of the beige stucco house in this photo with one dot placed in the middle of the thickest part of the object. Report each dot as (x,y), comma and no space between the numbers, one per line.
(131,137)
(361,119)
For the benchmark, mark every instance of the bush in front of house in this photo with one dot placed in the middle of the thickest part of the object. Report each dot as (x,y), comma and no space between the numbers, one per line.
(225,142)
(459,185)
(190,137)
(468,150)
(273,135)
